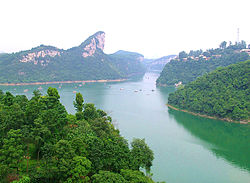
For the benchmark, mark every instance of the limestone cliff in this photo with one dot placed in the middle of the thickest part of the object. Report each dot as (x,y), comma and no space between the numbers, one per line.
(97,41)
(40,56)
(84,62)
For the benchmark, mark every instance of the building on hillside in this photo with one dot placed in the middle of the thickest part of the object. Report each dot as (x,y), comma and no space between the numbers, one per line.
(246,51)
(178,84)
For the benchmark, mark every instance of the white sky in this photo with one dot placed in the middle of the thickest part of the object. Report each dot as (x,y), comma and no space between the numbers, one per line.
(153,28)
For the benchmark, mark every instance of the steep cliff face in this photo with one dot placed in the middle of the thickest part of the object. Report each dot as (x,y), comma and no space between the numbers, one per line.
(84,62)
(97,41)
(41,57)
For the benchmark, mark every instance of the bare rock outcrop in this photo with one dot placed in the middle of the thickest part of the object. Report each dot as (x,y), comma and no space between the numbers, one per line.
(33,57)
(97,42)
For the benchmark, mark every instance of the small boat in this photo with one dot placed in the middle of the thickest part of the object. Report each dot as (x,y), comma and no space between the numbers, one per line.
(80,85)
(121,88)
(74,91)
(136,90)
(153,90)
(26,90)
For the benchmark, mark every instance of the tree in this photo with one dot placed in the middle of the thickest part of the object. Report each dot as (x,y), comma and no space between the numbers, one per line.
(142,156)
(53,113)
(52,92)
(21,100)
(223,45)
(90,111)
(80,167)
(78,103)
(135,176)
(63,156)
(243,44)
(182,55)
(108,177)
(41,134)
(12,117)
(8,99)
(56,161)
(37,94)
(12,152)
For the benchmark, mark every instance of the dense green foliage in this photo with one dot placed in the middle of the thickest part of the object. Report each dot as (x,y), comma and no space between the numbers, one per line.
(41,142)
(187,67)
(223,93)
(69,65)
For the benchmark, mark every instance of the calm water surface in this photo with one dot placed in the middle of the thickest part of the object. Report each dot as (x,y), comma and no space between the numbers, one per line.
(188,149)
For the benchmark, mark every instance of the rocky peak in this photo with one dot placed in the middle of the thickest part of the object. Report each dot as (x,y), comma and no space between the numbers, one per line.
(39,55)
(94,42)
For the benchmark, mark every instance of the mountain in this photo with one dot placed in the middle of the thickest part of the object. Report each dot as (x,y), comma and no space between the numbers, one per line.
(84,62)
(158,64)
(223,93)
(187,67)
(127,63)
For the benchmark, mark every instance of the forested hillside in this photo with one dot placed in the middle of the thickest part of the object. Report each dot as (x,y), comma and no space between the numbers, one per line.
(41,142)
(187,67)
(223,93)
(127,63)
(84,62)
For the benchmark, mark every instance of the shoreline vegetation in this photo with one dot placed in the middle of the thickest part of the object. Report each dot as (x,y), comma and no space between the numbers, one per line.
(206,116)
(62,82)
(41,142)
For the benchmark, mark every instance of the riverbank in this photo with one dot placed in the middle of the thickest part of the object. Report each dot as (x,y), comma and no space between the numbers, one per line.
(206,116)
(62,82)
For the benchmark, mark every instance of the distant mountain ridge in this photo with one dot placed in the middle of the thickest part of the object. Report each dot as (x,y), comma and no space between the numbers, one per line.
(159,63)
(84,62)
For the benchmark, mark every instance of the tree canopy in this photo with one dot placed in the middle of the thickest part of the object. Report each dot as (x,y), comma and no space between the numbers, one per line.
(223,93)
(41,142)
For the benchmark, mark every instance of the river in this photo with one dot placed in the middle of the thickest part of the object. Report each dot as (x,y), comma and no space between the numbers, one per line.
(187,149)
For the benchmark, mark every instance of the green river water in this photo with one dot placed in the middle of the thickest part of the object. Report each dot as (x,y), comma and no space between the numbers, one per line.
(187,149)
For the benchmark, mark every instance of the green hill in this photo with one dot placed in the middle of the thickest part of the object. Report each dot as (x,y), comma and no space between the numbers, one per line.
(127,63)
(187,67)
(84,62)
(223,93)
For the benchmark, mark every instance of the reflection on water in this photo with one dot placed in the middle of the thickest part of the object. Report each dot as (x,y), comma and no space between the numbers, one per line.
(230,141)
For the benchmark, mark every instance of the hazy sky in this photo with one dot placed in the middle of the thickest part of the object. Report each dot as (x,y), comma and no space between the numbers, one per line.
(153,28)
